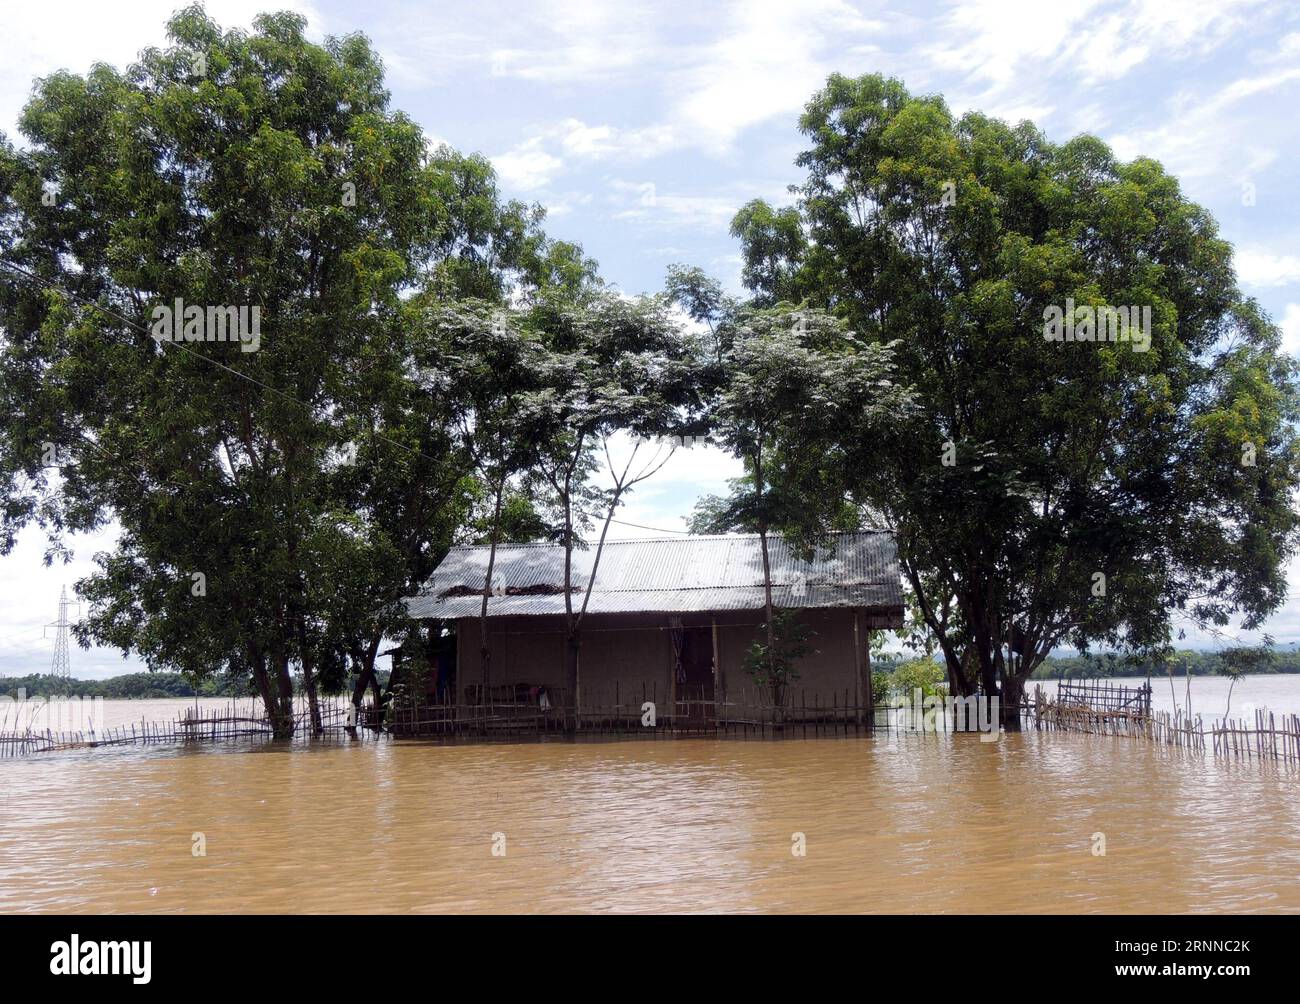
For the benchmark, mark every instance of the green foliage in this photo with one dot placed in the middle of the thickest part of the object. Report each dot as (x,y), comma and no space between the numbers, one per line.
(948,239)
(519,522)
(434,368)
(790,386)
(1238,661)
(613,364)
(773,244)
(316,481)
(773,666)
(924,675)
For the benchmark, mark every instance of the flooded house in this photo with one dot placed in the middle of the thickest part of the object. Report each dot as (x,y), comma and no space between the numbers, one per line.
(669,620)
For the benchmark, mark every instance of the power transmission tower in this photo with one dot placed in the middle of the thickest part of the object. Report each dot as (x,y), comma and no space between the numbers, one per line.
(60,668)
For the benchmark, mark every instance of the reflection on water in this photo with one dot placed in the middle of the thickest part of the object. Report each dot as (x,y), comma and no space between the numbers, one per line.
(892,824)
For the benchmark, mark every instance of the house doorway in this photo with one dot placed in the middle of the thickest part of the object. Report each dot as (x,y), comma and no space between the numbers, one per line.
(695,708)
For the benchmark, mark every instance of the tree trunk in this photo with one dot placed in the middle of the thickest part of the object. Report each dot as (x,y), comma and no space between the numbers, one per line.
(1013,689)
(959,680)
(265,689)
(777,685)
(767,573)
(309,679)
(366,677)
(572,644)
(280,707)
(485,651)
(313,699)
(767,598)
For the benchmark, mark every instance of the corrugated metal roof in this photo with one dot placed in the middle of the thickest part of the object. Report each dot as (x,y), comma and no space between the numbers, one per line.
(672,575)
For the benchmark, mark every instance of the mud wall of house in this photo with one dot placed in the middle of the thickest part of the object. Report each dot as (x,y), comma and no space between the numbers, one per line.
(830,669)
(621,656)
(624,654)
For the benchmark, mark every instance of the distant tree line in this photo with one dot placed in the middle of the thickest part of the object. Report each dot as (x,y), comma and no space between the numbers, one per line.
(130,686)
(1182,662)
(894,677)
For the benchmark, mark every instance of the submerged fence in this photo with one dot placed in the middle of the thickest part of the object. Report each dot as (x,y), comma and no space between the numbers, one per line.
(650,711)
(647,711)
(1268,736)
(191,725)
(1090,707)
(1104,695)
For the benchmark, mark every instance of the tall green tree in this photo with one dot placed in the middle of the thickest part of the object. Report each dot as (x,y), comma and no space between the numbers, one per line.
(796,389)
(1047,491)
(498,371)
(276,495)
(616,365)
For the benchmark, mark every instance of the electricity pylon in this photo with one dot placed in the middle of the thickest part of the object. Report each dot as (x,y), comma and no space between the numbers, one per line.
(60,668)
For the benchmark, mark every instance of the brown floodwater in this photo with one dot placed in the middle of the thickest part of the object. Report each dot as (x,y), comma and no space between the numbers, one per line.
(895,823)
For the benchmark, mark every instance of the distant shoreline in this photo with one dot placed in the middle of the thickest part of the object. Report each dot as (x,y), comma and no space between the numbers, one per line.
(164,686)
(130,687)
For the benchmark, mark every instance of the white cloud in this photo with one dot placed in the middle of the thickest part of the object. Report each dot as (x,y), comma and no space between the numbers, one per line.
(992,40)
(41,38)
(527,166)
(642,202)
(1011,43)
(1227,137)
(1018,59)
(1263,268)
(760,60)
(1290,325)
(770,57)
(578,139)
(566,202)
(708,215)
(572,143)
(575,41)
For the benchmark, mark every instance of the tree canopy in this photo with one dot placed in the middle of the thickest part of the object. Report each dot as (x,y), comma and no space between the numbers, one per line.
(1092,491)
(277,494)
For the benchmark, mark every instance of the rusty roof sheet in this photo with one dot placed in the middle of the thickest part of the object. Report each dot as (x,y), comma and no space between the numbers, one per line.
(670,575)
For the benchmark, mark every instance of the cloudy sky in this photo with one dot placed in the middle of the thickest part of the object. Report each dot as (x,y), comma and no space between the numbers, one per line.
(642,127)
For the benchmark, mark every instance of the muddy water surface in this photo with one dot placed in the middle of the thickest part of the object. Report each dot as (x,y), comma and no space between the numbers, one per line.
(895,823)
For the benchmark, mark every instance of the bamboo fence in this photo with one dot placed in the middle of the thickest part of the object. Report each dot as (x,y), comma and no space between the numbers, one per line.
(1268,736)
(1090,707)
(191,725)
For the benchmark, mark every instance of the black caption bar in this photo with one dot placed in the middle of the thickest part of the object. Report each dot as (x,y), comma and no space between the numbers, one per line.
(342,953)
